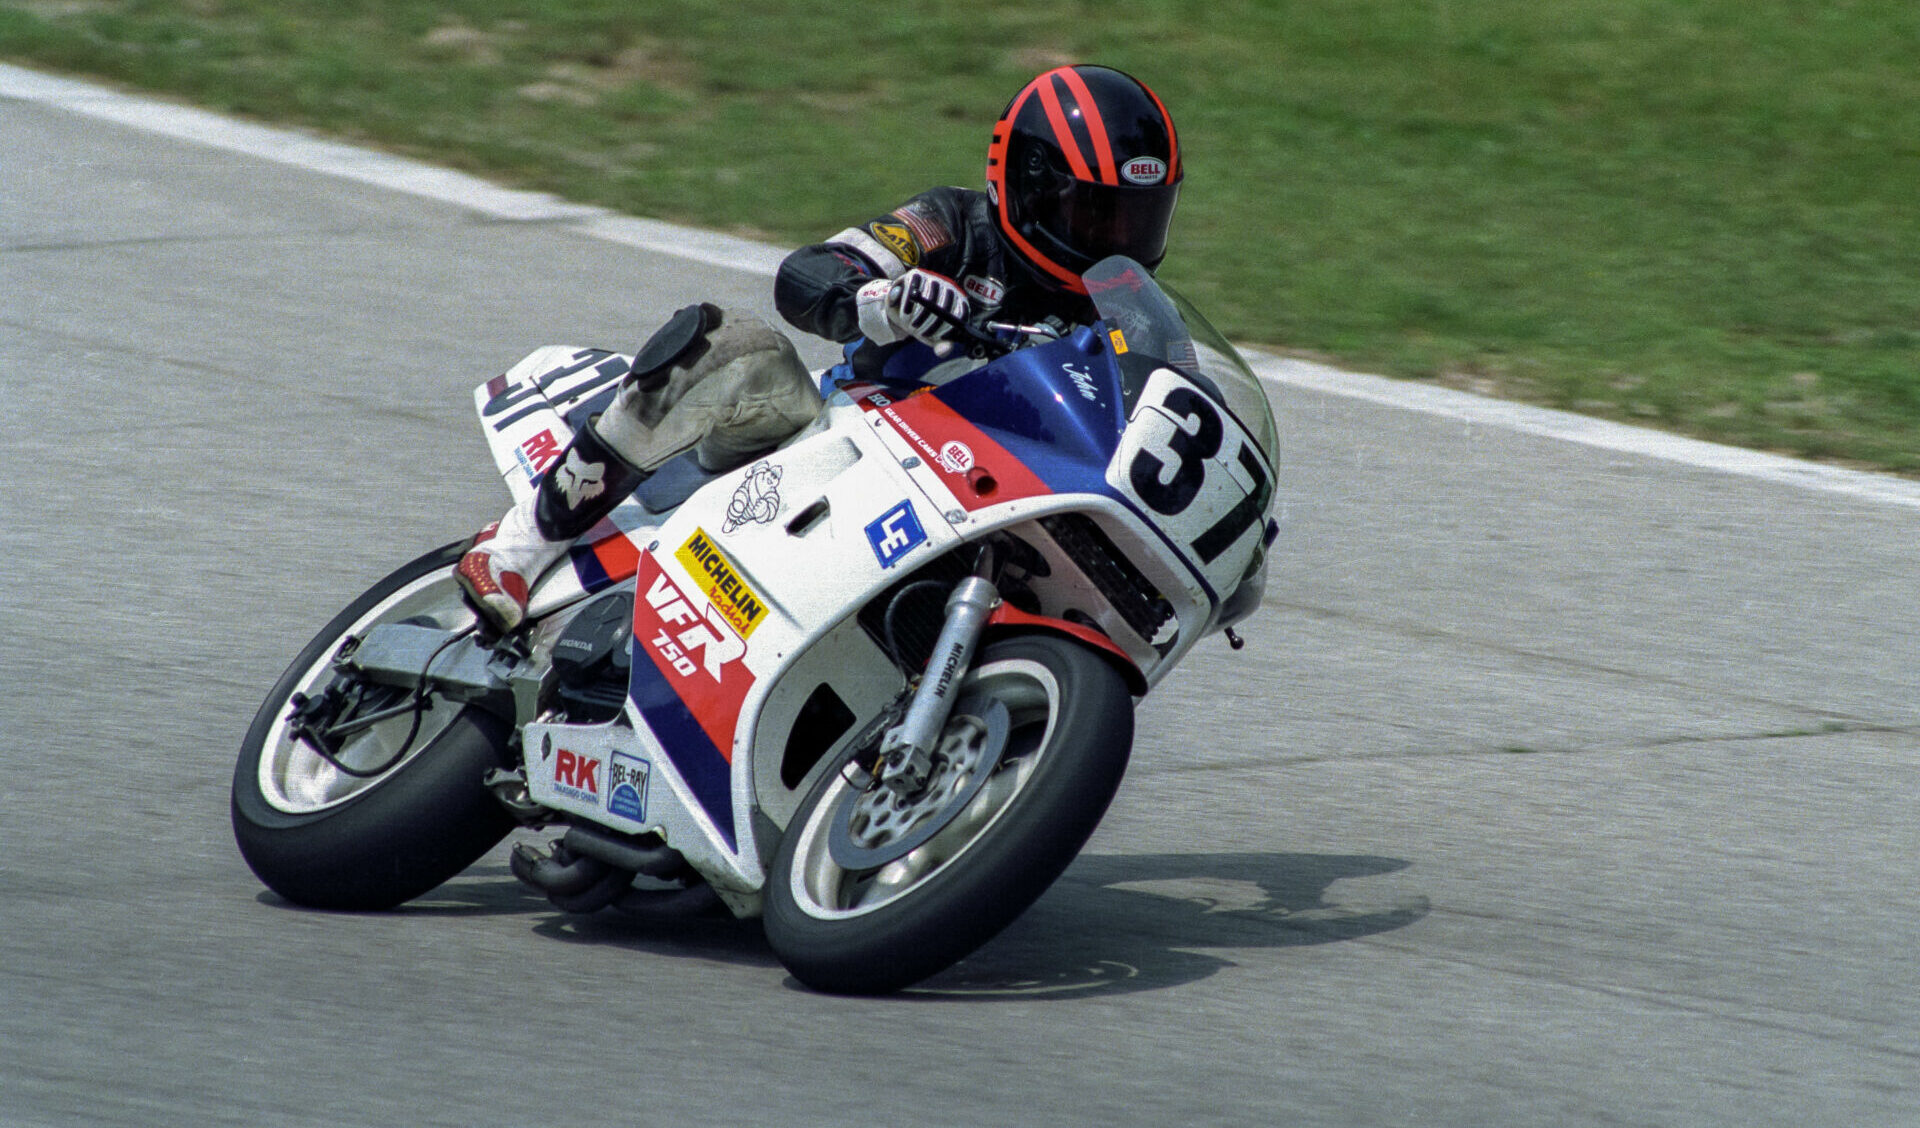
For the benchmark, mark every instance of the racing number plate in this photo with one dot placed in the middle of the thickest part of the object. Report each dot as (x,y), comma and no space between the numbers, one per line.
(1184,460)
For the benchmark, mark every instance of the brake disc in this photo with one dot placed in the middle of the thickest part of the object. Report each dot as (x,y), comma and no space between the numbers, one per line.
(871,828)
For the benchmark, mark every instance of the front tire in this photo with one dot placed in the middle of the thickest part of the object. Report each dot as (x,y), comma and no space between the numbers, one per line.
(869,931)
(325,838)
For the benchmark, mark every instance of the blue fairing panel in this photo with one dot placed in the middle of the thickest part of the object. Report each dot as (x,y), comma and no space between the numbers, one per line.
(1056,407)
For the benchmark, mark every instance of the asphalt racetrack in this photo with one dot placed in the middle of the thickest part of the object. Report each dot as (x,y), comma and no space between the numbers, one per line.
(1556,784)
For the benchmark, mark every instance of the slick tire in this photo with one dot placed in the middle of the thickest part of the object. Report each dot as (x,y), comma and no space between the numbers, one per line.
(324,840)
(846,931)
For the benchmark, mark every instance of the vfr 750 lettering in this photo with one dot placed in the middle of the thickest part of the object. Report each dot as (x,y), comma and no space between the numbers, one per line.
(875,687)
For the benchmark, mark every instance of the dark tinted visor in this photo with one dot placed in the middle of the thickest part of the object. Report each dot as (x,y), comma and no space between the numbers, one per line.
(1098,220)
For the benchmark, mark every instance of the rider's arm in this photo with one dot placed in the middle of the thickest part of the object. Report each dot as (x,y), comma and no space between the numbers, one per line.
(817,285)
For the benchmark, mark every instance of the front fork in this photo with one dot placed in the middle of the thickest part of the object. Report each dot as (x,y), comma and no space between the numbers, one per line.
(906,753)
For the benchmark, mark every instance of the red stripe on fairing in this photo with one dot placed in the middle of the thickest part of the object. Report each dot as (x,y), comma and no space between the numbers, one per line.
(618,555)
(1062,131)
(929,425)
(1008,617)
(1096,127)
(713,703)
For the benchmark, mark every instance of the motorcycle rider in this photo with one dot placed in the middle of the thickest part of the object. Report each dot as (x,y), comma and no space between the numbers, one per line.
(1084,163)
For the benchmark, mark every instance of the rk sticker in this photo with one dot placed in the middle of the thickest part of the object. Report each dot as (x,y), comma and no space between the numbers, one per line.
(737,602)
(577,776)
(537,453)
(895,533)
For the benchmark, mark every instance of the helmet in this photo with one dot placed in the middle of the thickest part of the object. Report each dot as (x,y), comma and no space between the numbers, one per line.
(1084,164)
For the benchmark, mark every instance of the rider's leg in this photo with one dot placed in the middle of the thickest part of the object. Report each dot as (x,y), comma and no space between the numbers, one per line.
(732,389)
(578,489)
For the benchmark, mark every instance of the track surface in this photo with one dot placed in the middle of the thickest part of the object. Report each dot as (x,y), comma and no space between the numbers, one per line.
(1555,786)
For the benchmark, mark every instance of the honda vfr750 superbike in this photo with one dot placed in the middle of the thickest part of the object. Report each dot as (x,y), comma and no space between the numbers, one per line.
(876,686)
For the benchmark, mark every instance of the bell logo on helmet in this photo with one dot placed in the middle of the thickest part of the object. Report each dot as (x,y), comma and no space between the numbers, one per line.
(1144,170)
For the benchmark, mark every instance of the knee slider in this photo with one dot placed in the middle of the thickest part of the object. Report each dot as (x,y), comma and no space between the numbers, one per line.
(682,340)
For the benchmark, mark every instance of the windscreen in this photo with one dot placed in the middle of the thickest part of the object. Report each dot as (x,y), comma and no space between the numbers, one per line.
(1159,323)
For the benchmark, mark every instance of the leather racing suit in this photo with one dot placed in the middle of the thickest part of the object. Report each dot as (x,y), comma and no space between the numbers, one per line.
(949,231)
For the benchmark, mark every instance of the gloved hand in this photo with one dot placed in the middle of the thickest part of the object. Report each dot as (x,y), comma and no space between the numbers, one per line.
(919,304)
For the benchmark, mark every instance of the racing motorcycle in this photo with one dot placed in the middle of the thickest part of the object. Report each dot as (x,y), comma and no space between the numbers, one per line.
(875,687)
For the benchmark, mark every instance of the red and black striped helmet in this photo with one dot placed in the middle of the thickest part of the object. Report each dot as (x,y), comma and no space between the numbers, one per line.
(1084,164)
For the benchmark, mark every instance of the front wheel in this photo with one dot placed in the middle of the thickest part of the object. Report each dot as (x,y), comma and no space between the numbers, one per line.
(397,804)
(870,892)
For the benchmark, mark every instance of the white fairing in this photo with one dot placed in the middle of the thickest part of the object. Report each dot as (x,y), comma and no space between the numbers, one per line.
(522,410)
(731,592)
(1192,464)
(750,670)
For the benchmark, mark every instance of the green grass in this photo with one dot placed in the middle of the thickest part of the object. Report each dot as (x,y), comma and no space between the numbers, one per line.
(1696,214)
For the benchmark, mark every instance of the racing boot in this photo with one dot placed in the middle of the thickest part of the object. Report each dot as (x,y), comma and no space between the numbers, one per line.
(582,486)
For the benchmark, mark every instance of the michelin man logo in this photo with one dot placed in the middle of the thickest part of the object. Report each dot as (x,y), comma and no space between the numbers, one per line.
(757,500)
(580,480)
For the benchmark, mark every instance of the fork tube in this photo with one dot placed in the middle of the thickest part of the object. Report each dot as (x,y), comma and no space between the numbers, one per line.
(908,745)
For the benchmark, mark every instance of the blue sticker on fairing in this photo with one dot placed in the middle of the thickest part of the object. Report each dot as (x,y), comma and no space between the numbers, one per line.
(895,533)
(627,787)
(1057,408)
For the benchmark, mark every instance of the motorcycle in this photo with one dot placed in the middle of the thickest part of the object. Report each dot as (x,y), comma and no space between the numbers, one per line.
(875,687)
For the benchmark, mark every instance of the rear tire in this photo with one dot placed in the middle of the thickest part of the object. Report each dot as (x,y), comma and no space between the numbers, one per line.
(873,931)
(320,837)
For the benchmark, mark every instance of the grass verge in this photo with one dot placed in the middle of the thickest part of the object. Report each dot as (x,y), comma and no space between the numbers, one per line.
(1694,214)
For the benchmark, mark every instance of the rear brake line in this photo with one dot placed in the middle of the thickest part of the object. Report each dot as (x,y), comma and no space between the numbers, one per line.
(419,710)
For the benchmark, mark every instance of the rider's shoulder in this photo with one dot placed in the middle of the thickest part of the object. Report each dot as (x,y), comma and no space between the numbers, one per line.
(949,201)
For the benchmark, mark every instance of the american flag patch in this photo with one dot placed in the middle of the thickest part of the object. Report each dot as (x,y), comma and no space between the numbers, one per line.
(929,232)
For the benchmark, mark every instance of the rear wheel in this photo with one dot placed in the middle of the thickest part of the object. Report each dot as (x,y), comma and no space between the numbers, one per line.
(394,807)
(871,892)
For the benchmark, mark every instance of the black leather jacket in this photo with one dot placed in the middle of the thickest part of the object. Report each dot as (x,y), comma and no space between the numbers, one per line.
(949,231)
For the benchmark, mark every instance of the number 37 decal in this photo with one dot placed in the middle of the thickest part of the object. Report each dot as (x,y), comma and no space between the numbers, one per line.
(1185,459)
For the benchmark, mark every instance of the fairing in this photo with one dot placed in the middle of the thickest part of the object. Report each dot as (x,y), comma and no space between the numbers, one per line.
(1146,429)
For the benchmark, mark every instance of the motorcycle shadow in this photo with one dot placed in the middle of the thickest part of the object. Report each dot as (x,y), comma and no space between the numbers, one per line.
(1122,923)
(487,890)
(1113,924)
(481,891)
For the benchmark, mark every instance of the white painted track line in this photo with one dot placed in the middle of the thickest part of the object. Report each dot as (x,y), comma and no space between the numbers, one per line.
(331,158)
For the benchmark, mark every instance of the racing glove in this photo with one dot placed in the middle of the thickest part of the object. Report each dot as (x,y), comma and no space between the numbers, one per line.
(919,304)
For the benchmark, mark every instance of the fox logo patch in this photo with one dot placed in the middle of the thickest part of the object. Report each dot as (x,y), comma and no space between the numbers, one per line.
(580,480)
